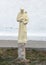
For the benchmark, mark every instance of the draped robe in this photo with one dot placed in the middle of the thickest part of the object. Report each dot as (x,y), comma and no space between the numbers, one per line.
(22,33)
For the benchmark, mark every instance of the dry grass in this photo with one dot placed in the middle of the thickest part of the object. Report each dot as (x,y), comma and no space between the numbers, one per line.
(8,56)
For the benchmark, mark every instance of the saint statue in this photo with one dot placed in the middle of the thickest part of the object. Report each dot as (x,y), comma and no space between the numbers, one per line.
(22,18)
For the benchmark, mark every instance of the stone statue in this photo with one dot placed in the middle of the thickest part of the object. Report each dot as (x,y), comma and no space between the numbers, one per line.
(22,18)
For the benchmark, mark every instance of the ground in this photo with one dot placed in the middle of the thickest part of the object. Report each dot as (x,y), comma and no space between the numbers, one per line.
(8,56)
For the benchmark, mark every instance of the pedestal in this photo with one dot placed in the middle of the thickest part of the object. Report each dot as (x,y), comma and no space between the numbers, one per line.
(22,54)
(21,50)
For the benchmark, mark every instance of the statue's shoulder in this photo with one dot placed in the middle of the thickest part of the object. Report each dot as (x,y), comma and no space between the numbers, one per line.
(19,14)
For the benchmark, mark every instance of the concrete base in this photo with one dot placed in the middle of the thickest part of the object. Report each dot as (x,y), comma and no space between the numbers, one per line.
(21,54)
(21,50)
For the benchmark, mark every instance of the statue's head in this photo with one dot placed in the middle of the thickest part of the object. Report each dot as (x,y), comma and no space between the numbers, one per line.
(22,10)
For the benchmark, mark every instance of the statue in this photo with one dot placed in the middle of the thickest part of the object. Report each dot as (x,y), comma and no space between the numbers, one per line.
(22,18)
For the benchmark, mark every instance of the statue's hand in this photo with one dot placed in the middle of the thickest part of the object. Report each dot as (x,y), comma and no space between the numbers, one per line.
(20,20)
(25,23)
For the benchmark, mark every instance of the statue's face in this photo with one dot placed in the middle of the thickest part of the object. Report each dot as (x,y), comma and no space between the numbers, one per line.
(22,10)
